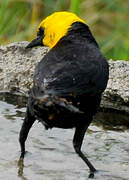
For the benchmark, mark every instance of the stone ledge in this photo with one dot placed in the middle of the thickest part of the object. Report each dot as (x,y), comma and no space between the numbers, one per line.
(17,65)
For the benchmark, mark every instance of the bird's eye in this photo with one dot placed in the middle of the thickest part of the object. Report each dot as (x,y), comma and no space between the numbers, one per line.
(40,32)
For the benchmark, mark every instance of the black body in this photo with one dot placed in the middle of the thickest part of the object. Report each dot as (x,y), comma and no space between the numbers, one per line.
(68,83)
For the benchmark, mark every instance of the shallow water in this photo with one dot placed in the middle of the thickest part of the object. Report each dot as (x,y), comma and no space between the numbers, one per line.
(50,153)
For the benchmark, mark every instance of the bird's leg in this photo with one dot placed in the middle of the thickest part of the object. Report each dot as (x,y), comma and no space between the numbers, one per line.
(77,143)
(28,122)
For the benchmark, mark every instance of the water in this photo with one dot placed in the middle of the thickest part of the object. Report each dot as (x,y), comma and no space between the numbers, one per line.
(50,155)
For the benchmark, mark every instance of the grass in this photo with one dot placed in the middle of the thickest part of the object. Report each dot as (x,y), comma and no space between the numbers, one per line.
(107,19)
(75,6)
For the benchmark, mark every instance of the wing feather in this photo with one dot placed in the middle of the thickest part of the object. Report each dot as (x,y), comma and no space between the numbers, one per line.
(71,70)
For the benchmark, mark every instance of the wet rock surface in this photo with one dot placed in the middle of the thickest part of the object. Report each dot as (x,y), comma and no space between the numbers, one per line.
(17,65)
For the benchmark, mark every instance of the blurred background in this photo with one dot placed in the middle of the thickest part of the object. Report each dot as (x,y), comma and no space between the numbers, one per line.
(108,21)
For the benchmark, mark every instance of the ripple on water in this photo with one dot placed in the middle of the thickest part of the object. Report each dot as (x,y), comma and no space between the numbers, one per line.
(50,153)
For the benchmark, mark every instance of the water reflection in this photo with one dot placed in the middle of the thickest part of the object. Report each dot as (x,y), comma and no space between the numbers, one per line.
(50,153)
(21,168)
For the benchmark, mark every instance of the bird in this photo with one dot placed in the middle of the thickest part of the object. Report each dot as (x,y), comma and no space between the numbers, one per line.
(69,80)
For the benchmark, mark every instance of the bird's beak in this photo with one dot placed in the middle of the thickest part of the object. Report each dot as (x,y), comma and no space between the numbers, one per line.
(35,42)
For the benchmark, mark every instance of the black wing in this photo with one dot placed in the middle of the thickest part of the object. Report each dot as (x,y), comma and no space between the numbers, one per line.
(71,69)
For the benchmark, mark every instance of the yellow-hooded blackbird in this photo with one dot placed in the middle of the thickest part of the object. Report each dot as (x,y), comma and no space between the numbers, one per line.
(68,81)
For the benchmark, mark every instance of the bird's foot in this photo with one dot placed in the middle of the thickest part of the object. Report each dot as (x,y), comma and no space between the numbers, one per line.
(92,174)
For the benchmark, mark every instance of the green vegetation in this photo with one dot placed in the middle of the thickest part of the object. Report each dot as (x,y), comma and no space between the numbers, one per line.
(108,20)
(75,6)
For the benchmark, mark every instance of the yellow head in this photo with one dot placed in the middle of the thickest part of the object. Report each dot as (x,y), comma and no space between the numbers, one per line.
(56,26)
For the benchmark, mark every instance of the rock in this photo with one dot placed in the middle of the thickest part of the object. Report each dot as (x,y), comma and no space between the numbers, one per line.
(116,95)
(17,65)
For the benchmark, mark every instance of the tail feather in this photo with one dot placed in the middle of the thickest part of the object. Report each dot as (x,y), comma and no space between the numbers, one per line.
(51,103)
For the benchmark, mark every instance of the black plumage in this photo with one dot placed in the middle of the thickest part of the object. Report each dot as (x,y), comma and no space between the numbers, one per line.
(68,84)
